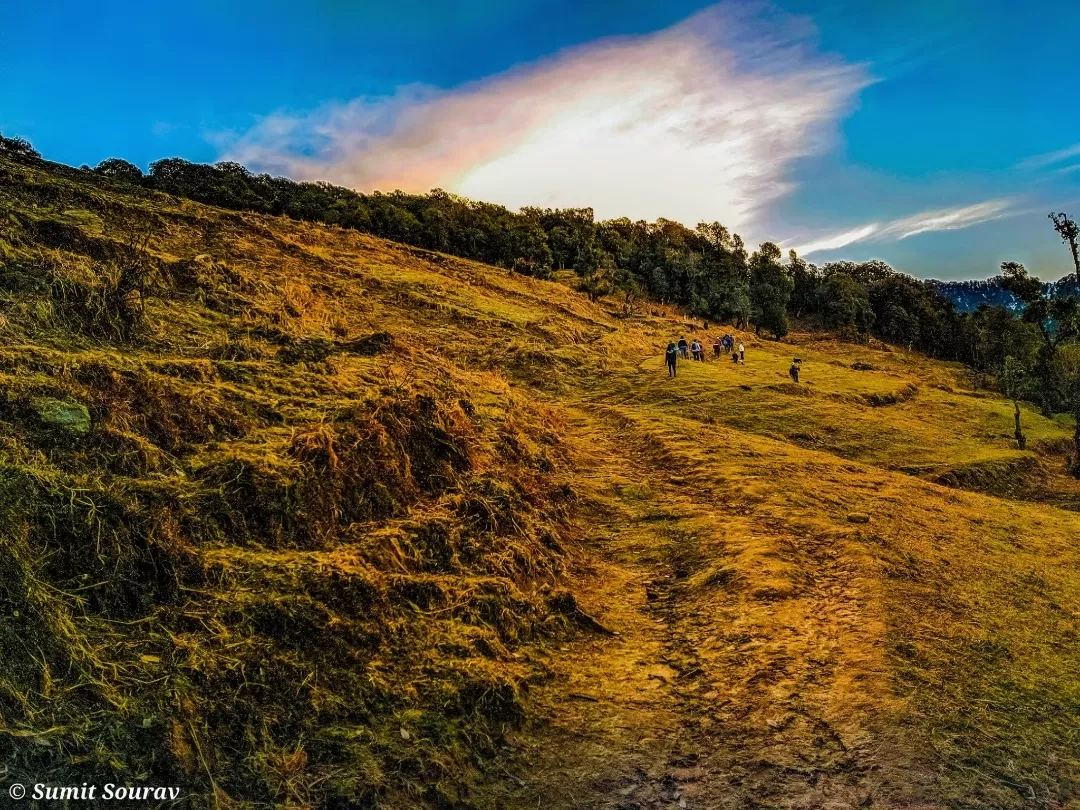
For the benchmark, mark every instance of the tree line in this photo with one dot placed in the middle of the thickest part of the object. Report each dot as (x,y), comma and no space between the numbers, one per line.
(707,270)
(1021,331)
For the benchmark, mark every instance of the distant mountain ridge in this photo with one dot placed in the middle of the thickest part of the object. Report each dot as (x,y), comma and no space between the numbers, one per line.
(968,296)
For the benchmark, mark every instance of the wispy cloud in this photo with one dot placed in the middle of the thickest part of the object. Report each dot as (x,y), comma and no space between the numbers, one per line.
(1050,158)
(943,219)
(702,121)
(838,240)
(946,219)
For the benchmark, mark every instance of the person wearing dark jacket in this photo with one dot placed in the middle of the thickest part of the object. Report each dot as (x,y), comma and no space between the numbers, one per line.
(672,358)
(796,364)
(684,349)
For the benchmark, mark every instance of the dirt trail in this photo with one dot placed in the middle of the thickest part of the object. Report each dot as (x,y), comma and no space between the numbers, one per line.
(745,672)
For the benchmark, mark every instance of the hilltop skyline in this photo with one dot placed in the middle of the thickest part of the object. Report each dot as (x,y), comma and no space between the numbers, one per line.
(934,136)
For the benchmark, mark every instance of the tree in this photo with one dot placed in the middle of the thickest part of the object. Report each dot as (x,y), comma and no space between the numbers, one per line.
(806,279)
(612,238)
(563,247)
(845,306)
(595,283)
(1017,383)
(1056,320)
(872,271)
(18,149)
(628,286)
(1069,232)
(589,258)
(119,169)
(770,290)
(727,299)
(994,334)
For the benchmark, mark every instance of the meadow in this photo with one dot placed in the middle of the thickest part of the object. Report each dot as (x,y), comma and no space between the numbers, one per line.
(295,516)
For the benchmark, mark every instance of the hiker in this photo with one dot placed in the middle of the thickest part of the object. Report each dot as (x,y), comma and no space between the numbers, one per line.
(683,349)
(729,342)
(671,357)
(735,358)
(796,364)
(742,353)
(695,349)
(716,347)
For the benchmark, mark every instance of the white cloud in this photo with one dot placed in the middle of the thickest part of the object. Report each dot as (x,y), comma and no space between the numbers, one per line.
(943,219)
(702,121)
(1050,158)
(838,240)
(947,219)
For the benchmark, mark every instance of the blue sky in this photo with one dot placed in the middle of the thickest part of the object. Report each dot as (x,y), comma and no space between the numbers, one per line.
(933,135)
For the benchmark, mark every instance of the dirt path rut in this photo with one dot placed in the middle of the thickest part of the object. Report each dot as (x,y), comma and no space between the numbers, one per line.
(746,672)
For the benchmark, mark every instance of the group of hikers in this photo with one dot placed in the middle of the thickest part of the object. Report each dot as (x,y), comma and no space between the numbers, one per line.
(727,345)
(696,350)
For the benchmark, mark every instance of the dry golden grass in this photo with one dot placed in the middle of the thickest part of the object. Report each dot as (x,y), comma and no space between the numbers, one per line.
(360,525)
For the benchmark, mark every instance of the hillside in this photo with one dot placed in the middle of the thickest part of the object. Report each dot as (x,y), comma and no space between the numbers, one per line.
(300,517)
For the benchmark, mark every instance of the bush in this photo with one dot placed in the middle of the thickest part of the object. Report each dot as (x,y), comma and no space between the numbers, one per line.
(109,306)
(18,149)
(121,170)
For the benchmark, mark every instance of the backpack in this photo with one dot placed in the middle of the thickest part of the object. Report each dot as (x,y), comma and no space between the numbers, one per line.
(672,355)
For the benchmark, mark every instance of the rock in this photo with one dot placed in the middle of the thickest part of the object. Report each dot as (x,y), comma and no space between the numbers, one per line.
(858,517)
(70,417)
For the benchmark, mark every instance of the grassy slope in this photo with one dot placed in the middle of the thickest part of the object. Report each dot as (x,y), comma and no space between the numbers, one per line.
(803,618)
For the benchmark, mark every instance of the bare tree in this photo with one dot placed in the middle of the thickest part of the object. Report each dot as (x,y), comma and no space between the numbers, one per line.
(1017,384)
(1069,232)
(134,234)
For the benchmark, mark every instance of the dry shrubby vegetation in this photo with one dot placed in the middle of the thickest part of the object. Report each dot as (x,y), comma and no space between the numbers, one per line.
(294,516)
(253,546)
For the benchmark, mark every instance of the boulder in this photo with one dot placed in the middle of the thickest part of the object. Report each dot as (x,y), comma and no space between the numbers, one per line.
(69,417)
